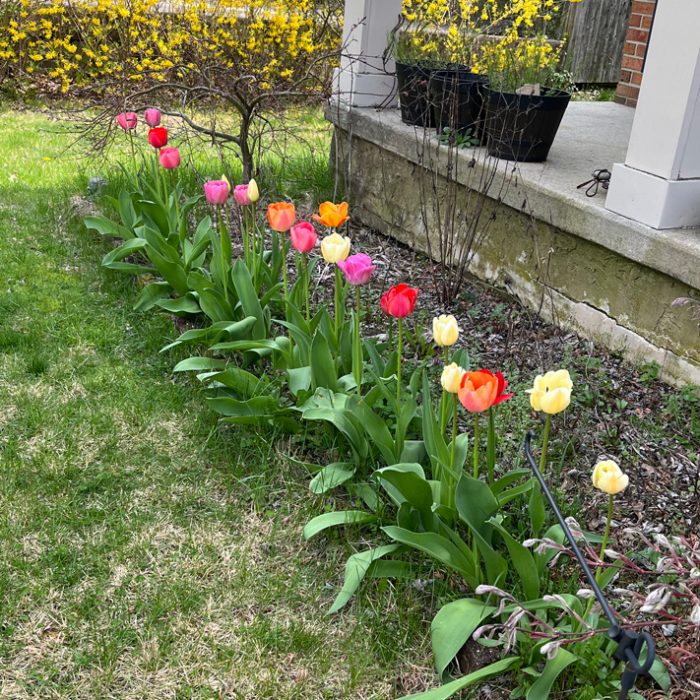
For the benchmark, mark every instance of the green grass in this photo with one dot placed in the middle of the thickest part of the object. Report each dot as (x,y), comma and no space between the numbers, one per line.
(145,552)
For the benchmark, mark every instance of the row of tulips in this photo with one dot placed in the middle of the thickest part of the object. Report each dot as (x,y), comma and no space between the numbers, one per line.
(404,459)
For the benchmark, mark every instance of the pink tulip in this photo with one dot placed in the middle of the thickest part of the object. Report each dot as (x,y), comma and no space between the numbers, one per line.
(127,120)
(216,191)
(240,194)
(169,158)
(303,237)
(152,117)
(357,268)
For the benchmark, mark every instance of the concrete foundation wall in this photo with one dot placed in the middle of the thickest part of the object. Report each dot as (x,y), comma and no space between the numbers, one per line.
(577,283)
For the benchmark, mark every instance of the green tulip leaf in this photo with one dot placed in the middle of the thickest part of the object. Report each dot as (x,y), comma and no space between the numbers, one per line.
(336,518)
(541,688)
(151,294)
(449,689)
(453,625)
(332,476)
(199,364)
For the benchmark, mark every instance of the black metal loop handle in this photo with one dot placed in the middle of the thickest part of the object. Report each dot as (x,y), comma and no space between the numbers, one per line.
(631,645)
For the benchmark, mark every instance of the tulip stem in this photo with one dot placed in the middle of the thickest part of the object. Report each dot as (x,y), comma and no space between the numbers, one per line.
(246,238)
(453,447)
(133,151)
(443,402)
(305,268)
(224,245)
(399,350)
(357,362)
(545,443)
(253,243)
(491,446)
(475,451)
(338,316)
(284,275)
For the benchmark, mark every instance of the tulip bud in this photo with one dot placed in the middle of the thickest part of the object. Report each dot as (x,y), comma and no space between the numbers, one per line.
(609,478)
(152,117)
(253,192)
(335,248)
(451,378)
(551,393)
(445,330)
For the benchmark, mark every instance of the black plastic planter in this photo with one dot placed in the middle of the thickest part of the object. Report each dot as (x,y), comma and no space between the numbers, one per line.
(523,127)
(413,84)
(457,97)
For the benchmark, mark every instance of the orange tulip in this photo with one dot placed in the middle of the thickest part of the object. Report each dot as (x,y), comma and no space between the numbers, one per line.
(479,391)
(332,215)
(281,216)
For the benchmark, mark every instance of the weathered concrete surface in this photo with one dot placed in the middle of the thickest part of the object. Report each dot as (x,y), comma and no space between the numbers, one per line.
(559,252)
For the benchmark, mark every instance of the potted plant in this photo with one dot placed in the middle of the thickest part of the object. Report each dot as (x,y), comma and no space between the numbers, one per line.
(526,97)
(432,49)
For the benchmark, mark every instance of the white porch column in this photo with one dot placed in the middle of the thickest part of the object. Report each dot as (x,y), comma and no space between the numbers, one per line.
(659,183)
(362,79)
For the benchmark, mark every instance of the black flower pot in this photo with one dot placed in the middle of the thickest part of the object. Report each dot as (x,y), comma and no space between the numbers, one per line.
(523,127)
(413,84)
(457,96)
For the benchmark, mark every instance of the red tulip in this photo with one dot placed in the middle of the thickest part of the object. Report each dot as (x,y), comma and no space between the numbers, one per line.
(399,301)
(158,137)
(481,390)
(127,120)
(169,158)
(152,117)
(303,237)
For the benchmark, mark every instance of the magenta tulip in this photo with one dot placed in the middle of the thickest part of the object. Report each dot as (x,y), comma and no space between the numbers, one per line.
(169,158)
(216,191)
(357,268)
(152,117)
(303,237)
(127,120)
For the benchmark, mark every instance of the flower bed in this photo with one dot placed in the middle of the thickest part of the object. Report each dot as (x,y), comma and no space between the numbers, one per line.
(274,354)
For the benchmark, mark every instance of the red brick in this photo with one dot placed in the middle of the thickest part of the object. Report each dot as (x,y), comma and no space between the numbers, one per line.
(647,22)
(637,35)
(643,8)
(625,76)
(627,90)
(630,48)
(641,49)
(632,63)
(636,79)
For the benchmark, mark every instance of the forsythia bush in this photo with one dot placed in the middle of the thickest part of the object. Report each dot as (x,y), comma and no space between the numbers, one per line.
(92,43)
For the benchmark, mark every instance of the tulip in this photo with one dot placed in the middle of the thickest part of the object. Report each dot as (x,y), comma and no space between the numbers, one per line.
(609,478)
(303,237)
(216,191)
(551,393)
(127,120)
(357,268)
(253,192)
(332,215)
(158,137)
(240,194)
(445,330)
(451,378)
(335,248)
(478,391)
(399,301)
(281,216)
(152,117)
(169,158)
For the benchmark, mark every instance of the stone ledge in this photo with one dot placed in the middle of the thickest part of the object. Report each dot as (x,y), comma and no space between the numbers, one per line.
(592,135)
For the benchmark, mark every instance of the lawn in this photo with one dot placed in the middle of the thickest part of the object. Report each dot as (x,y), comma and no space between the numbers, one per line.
(145,552)
(148,551)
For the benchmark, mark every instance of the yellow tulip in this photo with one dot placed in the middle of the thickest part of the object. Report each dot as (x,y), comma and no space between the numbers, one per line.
(445,330)
(551,393)
(609,478)
(253,192)
(335,248)
(451,378)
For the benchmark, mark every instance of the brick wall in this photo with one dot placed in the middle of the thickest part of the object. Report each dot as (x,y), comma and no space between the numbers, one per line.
(636,40)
